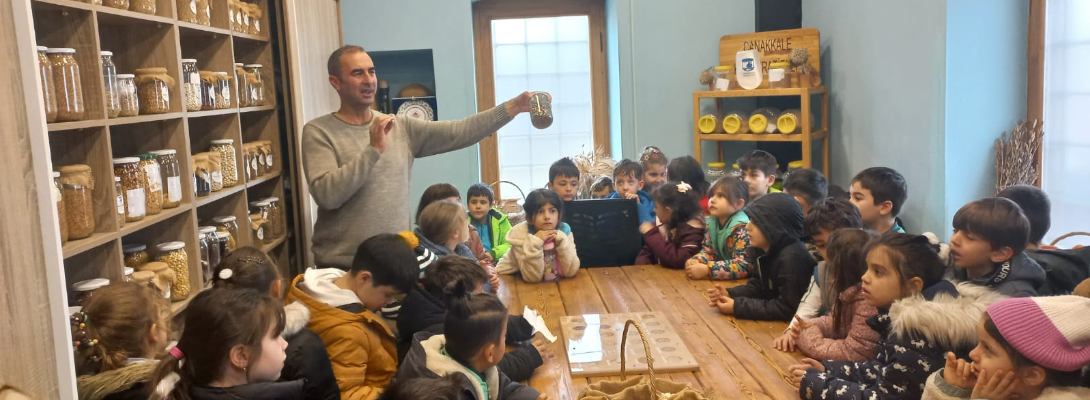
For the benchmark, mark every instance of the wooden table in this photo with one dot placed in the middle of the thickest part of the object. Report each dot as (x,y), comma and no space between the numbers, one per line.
(737,360)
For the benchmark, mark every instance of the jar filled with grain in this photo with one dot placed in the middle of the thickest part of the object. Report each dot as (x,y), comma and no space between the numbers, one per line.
(224,242)
(215,172)
(789,121)
(259,221)
(204,12)
(202,181)
(210,252)
(247,160)
(255,19)
(223,90)
(173,254)
(228,224)
(78,186)
(235,15)
(93,2)
(126,94)
(254,84)
(208,90)
(276,217)
(142,6)
(119,201)
(164,276)
(187,11)
(109,84)
(83,290)
(763,120)
(62,218)
(66,84)
(259,157)
(118,4)
(153,87)
(132,185)
(270,155)
(136,255)
(245,12)
(777,75)
(736,122)
(153,183)
(49,94)
(240,86)
(228,163)
(191,79)
(171,172)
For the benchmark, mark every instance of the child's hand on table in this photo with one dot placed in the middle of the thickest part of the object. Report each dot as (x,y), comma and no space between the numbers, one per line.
(798,371)
(725,305)
(716,293)
(786,342)
(694,269)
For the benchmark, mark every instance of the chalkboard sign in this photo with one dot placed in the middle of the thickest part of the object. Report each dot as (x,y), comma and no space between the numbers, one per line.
(606,231)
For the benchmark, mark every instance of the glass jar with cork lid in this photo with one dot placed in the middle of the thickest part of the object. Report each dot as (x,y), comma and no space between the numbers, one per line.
(78,185)
(173,254)
(132,185)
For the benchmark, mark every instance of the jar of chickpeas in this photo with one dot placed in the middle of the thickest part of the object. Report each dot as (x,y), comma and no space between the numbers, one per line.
(153,183)
(173,254)
(67,84)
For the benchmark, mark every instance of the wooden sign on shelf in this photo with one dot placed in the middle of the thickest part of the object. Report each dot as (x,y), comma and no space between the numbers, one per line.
(773,46)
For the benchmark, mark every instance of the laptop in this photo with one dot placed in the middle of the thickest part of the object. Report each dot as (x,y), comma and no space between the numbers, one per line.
(606,231)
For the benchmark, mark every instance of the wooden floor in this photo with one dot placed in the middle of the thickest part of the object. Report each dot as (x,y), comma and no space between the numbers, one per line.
(737,360)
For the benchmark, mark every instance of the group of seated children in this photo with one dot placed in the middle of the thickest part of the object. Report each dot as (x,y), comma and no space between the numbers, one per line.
(881,314)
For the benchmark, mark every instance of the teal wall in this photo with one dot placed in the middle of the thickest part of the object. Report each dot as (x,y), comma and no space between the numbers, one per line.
(445,27)
(985,91)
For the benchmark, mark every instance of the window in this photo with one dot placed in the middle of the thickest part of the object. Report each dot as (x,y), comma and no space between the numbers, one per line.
(1065,155)
(558,49)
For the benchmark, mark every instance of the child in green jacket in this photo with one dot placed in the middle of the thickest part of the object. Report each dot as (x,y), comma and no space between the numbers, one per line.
(491,224)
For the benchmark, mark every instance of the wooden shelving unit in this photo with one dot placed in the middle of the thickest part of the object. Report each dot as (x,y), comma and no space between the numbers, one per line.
(140,41)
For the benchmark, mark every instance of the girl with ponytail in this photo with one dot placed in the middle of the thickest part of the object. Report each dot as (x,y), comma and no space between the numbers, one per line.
(472,345)
(230,349)
(116,337)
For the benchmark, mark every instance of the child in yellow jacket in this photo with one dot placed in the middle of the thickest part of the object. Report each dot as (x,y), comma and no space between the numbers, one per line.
(361,348)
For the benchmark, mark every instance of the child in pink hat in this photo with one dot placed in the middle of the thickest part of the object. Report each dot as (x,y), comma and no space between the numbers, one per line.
(1028,348)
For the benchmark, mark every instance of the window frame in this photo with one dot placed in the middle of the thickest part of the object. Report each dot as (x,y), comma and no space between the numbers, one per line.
(484,12)
(1035,72)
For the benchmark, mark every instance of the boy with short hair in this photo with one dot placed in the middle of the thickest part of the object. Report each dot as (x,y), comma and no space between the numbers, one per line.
(361,348)
(601,188)
(491,224)
(808,186)
(1064,268)
(759,171)
(987,248)
(564,179)
(628,180)
(879,193)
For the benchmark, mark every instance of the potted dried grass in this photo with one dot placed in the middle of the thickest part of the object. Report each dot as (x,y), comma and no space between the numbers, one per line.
(592,165)
(1016,155)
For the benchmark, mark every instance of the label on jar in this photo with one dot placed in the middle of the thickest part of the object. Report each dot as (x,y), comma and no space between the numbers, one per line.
(226,93)
(193,6)
(722,84)
(245,19)
(166,95)
(253,95)
(231,15)
(238,18)
(253,164)
(174,189)
(261,233)
(136,202)
(155,180)
(217,177)
(195,79)
(775,75)
(257,25)
(57,194)
(121,204)
(269,160)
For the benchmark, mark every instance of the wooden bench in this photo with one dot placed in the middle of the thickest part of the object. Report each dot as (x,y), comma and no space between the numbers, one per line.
(737,360)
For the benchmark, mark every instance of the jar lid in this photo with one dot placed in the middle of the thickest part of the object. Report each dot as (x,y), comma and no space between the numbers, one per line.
(732,123)
(62,50)
(189,60)
(129,271)
(164,152)
(219,73)
(132,248)
(252,66)
(787,123)
(735,165)
(758,122)
(125,76)
(154,266)
(778,64)
(706,124)
(147,156)
(74,309)
(206,229)
(724,67)
(170,246)
(117,179)
(223,141)
(225,218)
(259,203)
(90,284)
(75,169)
(795,164)
(238,64)
(43,48)
(106,53)
(56,174)
(717,165)
(271,199)
(143,276)
(126,160)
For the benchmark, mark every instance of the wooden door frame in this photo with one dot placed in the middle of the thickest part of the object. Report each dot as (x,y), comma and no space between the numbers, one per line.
(484,12)
(1035,68)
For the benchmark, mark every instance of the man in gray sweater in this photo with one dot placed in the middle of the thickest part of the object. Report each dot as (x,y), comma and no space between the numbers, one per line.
(358,161)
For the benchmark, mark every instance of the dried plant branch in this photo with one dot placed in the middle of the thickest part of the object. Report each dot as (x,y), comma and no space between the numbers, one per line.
(1016,155)
(591,165)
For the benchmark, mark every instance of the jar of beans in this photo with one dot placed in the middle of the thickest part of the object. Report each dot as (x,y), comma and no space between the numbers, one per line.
(173,254)
(171,172)
(153,183)
(132,185)
(228,163)
(67,85)
(49,94)
(153,88)
(136,255)
(78,186)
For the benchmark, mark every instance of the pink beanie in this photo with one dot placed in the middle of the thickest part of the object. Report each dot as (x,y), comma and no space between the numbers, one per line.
(1053,332)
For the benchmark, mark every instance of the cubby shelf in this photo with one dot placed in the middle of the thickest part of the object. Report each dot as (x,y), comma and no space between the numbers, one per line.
(262,179)
(217,196)
(272,245)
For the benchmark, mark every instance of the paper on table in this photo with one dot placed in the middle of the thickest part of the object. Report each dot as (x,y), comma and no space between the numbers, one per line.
(538,323)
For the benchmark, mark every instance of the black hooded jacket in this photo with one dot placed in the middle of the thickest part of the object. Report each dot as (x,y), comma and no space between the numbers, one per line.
(779,276)
(423,312)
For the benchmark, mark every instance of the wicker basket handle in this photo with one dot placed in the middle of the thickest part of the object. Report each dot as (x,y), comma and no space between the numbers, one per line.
(1069,235)
(646,349)
(521,193)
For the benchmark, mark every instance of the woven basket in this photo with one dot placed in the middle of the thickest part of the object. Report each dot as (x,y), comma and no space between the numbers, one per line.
(641,388)
(1071,234)
(511,207)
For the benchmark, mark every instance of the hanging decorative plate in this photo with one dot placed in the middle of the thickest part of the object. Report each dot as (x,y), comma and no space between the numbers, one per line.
(418,109)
